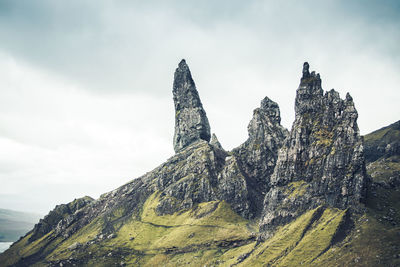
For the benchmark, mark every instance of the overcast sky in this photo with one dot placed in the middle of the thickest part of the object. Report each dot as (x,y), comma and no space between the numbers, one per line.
(86,86)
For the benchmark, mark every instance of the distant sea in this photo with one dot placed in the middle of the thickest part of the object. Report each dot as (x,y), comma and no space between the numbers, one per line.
(4,246)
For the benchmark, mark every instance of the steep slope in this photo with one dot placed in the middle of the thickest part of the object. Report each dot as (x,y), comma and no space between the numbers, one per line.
(279,199)
(383,143)
(382,154)
(257,156)
(321,162)
(191,122)
(198,173)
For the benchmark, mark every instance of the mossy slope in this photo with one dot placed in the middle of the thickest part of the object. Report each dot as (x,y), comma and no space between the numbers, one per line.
(212,234)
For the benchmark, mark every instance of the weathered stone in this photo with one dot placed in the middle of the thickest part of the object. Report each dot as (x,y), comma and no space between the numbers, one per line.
(274,174)
(321,162)
(75,246)
(257,156)
(60,212)
(214,142)
(191,123)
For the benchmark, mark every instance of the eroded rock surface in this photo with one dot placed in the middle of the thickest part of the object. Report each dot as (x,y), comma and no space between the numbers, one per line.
(60,212)
(257,156)
(191,123)
(274,174)
(322,160)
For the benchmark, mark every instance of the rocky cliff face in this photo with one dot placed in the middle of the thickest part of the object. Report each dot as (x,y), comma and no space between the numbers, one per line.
(63,212)
(199,207)
(199,171)
(191,123)
(257,156)
(321,162)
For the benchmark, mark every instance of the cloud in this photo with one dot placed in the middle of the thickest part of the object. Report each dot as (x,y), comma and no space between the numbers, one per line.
(85,99)
(55,135)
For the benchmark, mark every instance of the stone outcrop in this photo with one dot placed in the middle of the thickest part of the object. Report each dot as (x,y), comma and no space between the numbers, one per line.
(275,174)
(321,162)
(191,123)
(215,142)
(257,156)
(60,212)
(383,143)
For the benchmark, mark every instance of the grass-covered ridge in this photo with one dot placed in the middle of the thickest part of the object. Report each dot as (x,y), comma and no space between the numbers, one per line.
(212,234)
(203,232)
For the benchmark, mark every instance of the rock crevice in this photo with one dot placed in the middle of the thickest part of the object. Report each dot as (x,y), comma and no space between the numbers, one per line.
(322,160)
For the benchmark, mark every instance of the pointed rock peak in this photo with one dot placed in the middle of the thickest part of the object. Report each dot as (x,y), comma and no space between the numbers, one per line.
(309,92)
(183,67)
(191,123)
(349,98)
(182,64)
(310,79)
(271,110)
(214,142)
(306,70)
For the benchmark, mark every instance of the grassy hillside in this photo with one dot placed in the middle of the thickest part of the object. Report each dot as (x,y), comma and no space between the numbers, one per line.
(212,234)
(14,224)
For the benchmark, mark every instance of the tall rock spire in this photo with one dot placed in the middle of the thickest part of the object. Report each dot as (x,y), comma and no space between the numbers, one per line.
(191,123)
(321,162)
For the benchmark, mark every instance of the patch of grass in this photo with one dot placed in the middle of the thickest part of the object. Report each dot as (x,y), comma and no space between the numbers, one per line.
(294,189)
(371,243)
(324,137)
(377,135)
(299,242)
(316,241)
(201,235)
(284,240)
(85,234)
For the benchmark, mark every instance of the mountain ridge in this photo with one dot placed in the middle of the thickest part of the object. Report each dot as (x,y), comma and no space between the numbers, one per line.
(281,198)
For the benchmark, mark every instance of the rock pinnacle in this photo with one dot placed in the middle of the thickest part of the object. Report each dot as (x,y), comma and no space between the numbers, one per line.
(191,123)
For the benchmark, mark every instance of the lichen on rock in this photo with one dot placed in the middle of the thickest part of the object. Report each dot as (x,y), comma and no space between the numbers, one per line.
(324,149)
(191,123)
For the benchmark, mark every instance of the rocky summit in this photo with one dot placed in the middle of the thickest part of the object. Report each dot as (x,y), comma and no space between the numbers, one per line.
(282,198)
(191,123)
(322,160)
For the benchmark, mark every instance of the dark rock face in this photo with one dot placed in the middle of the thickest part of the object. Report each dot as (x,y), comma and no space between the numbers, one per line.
(275,175)
(257,156)
(60,212)
(321,162)
(382,155)
(191,123)
(204,172)
(384,142)
(198,172)
(214,142)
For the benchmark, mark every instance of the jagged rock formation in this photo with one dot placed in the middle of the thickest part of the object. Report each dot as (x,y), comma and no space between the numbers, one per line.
(215,142)
(206,172)
(202,206)
(257,156)
(191,123)
(63,212)
(321,162)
